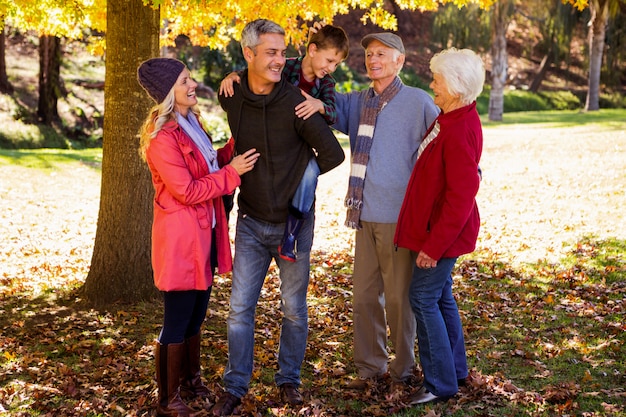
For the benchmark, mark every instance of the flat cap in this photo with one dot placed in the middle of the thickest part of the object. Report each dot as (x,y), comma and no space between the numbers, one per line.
(390,39)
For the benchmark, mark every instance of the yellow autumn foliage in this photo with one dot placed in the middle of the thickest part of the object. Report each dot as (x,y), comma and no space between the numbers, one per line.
(211,23)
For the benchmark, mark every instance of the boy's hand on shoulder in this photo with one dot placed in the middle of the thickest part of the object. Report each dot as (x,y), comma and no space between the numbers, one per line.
(309,107)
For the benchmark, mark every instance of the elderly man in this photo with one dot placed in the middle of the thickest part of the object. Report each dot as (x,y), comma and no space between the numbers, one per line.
(261,115)
(386,124)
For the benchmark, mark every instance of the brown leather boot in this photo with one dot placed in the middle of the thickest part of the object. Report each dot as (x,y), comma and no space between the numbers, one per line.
(191,384)
(168,366)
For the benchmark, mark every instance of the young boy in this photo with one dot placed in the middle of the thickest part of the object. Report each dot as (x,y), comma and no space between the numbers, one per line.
(328,46)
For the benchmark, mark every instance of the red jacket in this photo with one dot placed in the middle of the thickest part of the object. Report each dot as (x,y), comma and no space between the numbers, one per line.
(439,214)
(186,196)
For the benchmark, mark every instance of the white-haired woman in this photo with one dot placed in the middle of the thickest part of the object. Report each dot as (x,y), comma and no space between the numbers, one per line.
(439,219)
(189,230)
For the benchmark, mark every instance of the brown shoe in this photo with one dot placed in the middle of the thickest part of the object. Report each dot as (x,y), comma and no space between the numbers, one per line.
(359,384)
(290,394)
(405,384)
(225,405)
(398,386)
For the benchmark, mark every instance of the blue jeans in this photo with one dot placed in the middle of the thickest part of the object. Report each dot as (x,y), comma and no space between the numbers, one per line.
(439,330)
(305,193)
(256,244)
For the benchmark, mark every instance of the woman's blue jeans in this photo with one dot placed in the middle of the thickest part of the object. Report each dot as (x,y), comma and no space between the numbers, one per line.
(439,330)
(256,244)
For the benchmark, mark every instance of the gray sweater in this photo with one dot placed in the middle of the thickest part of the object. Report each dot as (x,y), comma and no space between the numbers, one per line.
(400,128)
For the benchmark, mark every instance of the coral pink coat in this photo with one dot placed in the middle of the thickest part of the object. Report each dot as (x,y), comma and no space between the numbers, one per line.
(187,199)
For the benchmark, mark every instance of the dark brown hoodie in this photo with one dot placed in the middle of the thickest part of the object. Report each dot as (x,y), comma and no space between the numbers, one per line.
(285,143)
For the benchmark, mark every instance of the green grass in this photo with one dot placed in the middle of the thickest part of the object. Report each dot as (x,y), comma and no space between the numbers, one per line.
(604,118)
(48,159)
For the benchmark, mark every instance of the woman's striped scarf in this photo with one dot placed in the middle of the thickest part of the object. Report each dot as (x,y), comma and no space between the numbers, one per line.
(372,106)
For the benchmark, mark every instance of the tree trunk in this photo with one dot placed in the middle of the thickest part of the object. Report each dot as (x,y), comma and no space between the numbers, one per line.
(546,63)
(5,85)
(121,268)
(500,22)
(597,29)
(49,78)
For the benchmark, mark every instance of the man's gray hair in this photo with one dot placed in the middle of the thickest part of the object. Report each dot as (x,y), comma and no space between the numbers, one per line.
(253,30)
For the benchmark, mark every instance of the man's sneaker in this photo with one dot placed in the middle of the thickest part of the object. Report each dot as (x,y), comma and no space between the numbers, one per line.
(290,394)
(225,405)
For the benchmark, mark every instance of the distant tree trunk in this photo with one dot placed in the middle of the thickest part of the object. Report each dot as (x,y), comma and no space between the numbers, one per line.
(597,29)
(5,85)
(49,78)
(500,21)
(546,63)
(121,268)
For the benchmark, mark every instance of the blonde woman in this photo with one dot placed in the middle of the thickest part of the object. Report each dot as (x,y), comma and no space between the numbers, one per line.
(189,232)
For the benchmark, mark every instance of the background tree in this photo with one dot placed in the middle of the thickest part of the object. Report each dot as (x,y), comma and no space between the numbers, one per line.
(613,73)
(600,12)
(6,7)
(120,266)
(5,85)
(501,13)
(49,78)
(555,21)
(52,20)
(466,27)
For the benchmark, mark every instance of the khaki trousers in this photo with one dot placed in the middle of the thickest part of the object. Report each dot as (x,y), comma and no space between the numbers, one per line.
(381,280)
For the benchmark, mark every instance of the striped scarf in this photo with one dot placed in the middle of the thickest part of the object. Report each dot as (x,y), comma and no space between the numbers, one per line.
(372,106)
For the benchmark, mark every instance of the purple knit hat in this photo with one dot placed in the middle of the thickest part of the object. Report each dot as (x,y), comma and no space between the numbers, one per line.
(158,75)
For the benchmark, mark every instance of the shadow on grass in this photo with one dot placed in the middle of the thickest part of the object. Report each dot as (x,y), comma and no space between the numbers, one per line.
(542,340)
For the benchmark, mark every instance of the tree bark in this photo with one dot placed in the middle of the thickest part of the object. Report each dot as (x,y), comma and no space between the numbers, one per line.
(546,63)
(121,268)
(597,29)
(499,24)
(5,85)
(49,78)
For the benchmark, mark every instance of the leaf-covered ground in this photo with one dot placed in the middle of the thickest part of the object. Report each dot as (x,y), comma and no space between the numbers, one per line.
(542,298)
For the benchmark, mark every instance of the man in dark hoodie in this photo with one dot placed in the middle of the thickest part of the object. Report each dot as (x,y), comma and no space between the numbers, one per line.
(261,115)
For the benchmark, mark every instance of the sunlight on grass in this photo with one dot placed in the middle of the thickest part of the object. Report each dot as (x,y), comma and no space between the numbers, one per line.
(604,119)
(47,159)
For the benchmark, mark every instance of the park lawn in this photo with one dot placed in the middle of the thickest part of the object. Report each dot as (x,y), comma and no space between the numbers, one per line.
(542,297)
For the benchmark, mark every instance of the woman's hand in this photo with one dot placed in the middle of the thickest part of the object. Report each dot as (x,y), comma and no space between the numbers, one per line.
(245,162)
(226,86)
(424,261)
